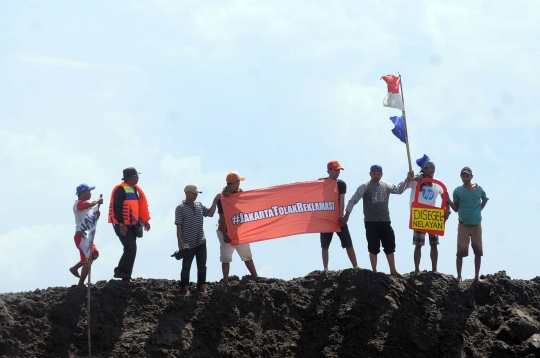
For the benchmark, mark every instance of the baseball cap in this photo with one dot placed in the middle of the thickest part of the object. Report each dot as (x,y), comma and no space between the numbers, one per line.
(334,164)
(233,177)
(466,170)
(83,187)
(129,172)
(192,188)
(375,168)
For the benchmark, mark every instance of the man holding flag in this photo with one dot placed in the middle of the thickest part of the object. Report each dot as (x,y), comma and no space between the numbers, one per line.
(86,216)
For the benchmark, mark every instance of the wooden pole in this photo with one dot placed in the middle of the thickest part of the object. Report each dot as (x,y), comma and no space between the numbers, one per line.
(90,260)
(405,122)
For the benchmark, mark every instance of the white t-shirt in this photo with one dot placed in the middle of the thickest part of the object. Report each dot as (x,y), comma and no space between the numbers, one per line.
(80,210)
(428,195)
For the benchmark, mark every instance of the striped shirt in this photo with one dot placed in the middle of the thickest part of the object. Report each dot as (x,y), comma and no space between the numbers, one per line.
(191,220)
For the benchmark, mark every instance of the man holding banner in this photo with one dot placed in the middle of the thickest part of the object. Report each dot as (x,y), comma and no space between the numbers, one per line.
(225,248)
(334,169)
(86,216)
(428,195)
(375,193)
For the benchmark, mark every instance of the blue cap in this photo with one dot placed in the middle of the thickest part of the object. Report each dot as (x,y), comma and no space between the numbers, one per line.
(84,187)
(375,168)
(424,162)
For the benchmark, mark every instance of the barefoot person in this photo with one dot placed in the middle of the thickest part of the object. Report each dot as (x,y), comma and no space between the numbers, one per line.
(334,169)
(375,193)
(128,211)
(226,249)
(80,208)
(468,201)
(189,217)
(428,195)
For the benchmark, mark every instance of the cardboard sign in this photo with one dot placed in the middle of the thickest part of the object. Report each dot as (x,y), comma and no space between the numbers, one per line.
(426,218)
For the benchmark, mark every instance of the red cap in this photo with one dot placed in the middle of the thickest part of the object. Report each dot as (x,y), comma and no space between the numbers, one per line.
(334,164)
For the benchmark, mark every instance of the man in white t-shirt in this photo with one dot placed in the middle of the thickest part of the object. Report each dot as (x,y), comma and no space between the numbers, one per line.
(428,196)
(80,208)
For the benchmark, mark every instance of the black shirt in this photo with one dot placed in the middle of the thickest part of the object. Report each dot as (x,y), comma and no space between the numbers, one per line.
(341,185)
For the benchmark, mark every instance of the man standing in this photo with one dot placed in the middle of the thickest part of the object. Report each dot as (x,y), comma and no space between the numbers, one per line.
(376,215)
(225,248)
(128,211)
(80,208)
(428,196)
(190,234)
(334,169)
(469,200)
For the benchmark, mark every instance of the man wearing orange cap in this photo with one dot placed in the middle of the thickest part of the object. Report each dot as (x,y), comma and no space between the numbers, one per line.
(226,250)
(334,169)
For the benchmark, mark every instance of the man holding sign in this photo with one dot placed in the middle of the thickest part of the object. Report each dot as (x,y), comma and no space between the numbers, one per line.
(428,195)
(85,219)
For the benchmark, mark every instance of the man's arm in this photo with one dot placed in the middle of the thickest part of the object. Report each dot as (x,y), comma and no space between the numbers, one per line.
(454,206)
(223,227)
(341,202)
(179,237)
(483,204)
(119,197)
(91,204)
(400,188)
(212,209)
(358,194)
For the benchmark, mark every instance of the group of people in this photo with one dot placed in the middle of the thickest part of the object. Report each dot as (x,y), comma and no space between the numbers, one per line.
(129,215)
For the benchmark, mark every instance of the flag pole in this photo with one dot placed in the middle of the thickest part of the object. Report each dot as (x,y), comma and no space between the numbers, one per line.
(405,122)
(90,260)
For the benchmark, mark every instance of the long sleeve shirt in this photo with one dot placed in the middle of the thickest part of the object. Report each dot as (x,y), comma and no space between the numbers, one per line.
(375,197)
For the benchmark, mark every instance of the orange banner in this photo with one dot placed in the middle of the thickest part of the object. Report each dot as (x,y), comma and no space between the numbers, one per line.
(282,210)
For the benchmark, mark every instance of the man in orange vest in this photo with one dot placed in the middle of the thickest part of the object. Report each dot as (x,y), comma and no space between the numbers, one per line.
(128,212)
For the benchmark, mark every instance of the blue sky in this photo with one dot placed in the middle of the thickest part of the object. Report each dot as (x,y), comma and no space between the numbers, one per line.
(188,91)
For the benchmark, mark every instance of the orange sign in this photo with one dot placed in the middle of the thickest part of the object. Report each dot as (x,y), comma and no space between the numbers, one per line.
(426,218)
(282,210)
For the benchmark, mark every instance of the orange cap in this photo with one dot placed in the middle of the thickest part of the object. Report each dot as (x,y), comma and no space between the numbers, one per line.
(234,177)
(334,164)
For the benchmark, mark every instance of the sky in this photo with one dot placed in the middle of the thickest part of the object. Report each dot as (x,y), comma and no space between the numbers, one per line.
(189,91)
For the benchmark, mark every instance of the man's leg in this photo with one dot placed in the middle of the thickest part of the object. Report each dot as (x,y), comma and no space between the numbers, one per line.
(225,256)
(374,243)
(434,257)
(75,269)
(419,240)
(392,265)
(84,274)
(186,267)
(125,265)
(459,264)
(417,257)
(201,267)
(477,263)
(388,240)
(251,267)
(346,243)
(326,239)
(373,261)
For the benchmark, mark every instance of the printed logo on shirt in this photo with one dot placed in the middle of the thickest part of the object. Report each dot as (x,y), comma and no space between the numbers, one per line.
(379,196)
(428,194)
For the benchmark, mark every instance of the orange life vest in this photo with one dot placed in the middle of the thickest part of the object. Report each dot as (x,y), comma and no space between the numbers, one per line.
(133,208)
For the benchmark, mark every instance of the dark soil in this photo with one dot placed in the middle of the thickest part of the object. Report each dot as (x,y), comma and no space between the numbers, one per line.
(350,313)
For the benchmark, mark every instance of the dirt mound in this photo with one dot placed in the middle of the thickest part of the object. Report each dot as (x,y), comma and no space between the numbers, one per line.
(350,313)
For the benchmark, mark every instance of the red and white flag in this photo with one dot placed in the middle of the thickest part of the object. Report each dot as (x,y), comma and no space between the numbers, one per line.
(393,98)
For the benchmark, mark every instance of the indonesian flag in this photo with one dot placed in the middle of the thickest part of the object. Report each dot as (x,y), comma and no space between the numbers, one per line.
(393,98)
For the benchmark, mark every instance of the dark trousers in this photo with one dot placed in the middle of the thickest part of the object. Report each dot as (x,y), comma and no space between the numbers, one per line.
(200,253)
(129,241)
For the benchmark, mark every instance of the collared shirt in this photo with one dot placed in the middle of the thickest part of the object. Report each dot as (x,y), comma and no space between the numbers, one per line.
(191,219)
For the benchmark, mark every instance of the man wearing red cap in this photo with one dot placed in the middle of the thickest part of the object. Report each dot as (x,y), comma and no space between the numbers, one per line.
(334,169)
(226,250)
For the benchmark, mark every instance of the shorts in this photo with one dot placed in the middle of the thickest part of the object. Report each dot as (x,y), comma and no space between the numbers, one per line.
(95,253)
(419,238)
(226,250)
(344,236)
(377,233)
(469,234)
